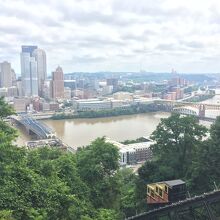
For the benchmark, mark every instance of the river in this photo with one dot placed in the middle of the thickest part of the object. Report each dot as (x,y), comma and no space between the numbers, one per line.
(80,132)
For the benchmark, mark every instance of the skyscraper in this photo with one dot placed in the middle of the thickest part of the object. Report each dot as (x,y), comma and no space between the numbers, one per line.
(57,84)
(29,71)
(6,77)
(40,57)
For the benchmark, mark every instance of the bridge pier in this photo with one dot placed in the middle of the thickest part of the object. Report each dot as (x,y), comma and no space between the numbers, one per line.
(202,111)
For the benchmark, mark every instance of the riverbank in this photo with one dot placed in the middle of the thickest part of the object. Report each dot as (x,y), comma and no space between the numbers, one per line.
(131,110)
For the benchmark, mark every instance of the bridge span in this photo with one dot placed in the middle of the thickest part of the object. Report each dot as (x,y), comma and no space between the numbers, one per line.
(38,128)
(201,110)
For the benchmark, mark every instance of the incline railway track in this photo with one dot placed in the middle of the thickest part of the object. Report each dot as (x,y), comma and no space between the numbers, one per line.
(203,207)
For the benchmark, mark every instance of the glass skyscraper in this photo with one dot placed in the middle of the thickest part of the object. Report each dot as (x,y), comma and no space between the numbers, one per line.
(40,57)
(29,71)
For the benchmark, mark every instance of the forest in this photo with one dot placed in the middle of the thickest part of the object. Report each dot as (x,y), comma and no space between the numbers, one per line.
(128,110)
(89,185)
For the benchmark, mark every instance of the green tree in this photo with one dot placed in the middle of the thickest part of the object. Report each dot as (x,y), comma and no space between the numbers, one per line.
(5,109)
(177,140)
(98,164)
(128,199)
(6,215)
(7,133)
(206,163)
(106,214)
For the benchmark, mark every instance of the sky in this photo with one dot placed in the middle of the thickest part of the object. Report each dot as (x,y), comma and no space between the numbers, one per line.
(114,35)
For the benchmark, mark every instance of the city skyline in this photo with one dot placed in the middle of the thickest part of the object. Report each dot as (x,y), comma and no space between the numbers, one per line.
(115,35)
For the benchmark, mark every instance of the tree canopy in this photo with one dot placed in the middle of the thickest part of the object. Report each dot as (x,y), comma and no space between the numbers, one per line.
(48,184)
(183,149)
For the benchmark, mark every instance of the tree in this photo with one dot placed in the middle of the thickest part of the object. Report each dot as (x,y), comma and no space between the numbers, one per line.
(106,214)
(7,133)
(206,163)
(6,215)
(177,140)
(128,199)
(5,109)
(52,184)
(98,164)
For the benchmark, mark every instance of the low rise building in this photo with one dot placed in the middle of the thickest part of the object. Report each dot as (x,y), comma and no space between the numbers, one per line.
(107,90)
(67,93)
(123,96)
(54,106)
(92,105)
(133,153)
(20,105)
(44,106)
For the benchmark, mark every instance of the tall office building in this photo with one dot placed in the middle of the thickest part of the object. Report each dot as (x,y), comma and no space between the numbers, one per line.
(40,57)
(29,71)
(6,76)
(57,84)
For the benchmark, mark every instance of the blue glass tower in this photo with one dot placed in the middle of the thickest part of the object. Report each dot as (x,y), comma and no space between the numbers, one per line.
(29,71)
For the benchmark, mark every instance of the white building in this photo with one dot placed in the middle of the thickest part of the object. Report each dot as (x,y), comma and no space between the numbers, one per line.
(92,104)
(133,153)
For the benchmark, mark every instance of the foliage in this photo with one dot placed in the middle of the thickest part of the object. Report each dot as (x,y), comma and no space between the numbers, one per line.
(182,152)
(105,214)
(47,184)
(7,133)
(128,198)
(52,184)
(191,89)
(178,138)
(137,109)
(6,215)
(97,166)
(138,140)
(127,89)
(206,163)
(5,109)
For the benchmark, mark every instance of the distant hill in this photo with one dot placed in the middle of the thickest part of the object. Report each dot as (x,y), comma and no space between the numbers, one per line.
(142,76)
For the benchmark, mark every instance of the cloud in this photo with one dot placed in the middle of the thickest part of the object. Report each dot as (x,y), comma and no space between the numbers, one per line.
(194,44)
(166,47)
(114,35)
(88,59)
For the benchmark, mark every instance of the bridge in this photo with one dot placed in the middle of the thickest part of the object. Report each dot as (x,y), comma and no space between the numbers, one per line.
(33,126)
(201,110)
(206,206)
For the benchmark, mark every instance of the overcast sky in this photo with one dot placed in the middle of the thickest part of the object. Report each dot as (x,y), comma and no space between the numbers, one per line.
(114,35)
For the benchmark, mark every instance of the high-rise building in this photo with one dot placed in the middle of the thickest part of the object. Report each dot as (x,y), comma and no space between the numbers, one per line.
(112,82)
(40,57)
(13,77)
(57,84)
(6,77)
(29,71)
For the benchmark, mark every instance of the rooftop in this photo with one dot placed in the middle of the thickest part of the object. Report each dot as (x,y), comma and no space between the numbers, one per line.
(174,182)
